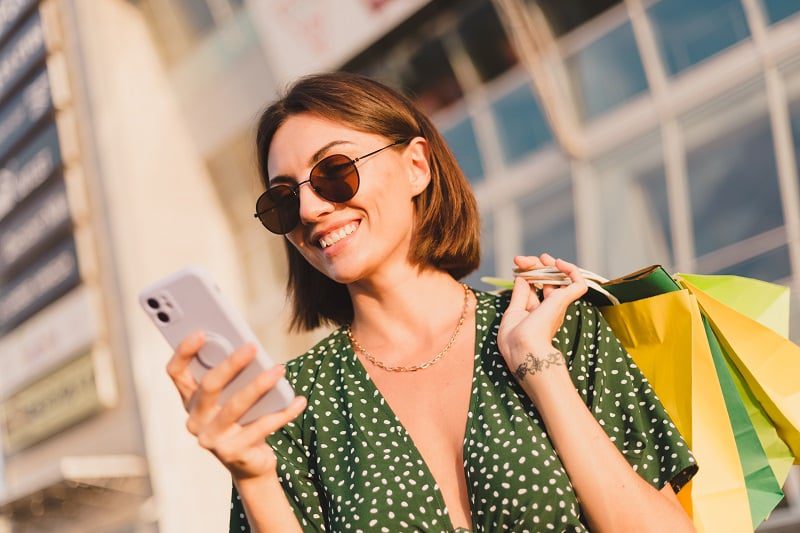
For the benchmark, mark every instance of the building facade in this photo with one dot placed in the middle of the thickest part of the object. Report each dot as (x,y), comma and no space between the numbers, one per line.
(612,133)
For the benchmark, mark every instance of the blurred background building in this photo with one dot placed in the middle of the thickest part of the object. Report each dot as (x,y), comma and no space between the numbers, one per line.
(613,133)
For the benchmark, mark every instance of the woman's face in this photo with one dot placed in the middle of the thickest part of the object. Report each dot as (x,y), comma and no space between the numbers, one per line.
(378,219)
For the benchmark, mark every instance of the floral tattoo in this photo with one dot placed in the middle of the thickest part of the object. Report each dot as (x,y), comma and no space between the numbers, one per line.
(533,364)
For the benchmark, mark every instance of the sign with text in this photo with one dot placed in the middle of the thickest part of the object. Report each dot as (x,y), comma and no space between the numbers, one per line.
(60,331)
(11,11)
(55,402)
(19,55)
(29,168)
(43,218)
(23,111)
(51,276)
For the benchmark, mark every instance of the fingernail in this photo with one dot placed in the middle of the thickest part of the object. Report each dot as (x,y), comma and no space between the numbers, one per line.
(198,336)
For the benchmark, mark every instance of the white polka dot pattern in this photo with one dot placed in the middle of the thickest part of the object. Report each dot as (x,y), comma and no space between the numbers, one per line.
(347,464)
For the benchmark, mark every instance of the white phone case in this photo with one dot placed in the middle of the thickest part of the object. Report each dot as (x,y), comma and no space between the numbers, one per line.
(189,300)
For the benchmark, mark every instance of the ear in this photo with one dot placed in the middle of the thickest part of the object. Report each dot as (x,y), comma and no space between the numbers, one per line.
(419,170)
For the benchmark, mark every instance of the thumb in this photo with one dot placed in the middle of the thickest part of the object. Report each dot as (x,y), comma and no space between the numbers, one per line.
(519,295)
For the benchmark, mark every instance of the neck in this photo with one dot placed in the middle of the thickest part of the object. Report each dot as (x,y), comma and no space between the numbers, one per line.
(413,308)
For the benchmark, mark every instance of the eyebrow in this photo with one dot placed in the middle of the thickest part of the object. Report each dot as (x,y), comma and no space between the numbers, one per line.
(314,159)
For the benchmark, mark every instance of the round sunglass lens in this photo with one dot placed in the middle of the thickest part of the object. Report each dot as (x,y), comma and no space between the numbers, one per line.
(335,178)
(279,209)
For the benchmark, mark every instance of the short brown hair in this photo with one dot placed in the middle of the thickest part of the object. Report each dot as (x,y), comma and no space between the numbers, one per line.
(447,227)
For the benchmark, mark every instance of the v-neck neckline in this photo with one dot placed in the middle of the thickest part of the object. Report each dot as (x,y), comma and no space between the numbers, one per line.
(481,303)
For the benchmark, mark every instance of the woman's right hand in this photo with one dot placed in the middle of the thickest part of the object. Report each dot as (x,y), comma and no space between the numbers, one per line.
(242,449)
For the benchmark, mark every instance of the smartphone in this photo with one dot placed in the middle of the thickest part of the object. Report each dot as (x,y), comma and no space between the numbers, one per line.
(189,300)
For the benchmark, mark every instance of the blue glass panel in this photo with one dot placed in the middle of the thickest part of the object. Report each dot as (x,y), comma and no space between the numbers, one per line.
(771,266)
(689,31)
(733,186)
(606,73)
(780,9)
(461,139)
(520,123)
(548,221)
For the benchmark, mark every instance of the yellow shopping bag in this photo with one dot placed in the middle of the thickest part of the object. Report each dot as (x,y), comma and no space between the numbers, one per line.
(666,338)
(769,363)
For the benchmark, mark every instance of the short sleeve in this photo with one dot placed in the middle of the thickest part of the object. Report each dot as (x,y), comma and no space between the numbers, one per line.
(622,400)
(296,478)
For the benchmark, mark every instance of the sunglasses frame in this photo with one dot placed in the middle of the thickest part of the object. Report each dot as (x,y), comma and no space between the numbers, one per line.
(293,189)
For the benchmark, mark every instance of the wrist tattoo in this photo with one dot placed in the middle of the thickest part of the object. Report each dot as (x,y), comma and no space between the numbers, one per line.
(533,364)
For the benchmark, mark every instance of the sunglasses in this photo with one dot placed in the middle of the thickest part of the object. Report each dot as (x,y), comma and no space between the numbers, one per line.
(334,178)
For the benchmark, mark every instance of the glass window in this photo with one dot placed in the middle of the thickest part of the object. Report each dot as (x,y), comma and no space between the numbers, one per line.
(771,266)
(196,15)
(632,191)
(606,73)
(564,17)
(487,266)
(486,42)
(689,31)
(794,110)
(461,139)
(520,123)
(429,78)
(548,221)
(780,9)
(733,181)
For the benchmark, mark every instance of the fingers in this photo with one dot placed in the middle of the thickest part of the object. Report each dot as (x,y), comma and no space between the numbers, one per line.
(578,287)
(519,295)
(178,365)
(215,380)
(240,402)
(268,424)
(533,300)
(527,262)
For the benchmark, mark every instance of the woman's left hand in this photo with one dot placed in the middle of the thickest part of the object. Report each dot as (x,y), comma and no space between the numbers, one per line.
(529,325)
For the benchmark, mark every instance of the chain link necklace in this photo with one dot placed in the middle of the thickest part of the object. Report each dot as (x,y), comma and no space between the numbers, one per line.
(421,366)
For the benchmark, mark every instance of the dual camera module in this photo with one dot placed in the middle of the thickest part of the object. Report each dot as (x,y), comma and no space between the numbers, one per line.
(162,316)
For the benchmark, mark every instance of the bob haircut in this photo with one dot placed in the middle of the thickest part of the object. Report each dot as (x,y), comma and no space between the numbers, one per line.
(447,227)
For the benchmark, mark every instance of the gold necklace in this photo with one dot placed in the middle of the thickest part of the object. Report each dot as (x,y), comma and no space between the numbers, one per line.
(426,364)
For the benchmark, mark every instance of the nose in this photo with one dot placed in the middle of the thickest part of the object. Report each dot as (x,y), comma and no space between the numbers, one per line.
(312,205)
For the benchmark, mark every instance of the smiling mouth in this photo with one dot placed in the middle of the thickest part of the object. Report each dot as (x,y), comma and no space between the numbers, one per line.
(335,236)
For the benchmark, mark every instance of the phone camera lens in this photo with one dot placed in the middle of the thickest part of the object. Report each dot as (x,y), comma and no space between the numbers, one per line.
(163,317)
(152,303)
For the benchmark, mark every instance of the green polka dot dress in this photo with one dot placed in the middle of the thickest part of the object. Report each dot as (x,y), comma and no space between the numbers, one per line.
(347,464)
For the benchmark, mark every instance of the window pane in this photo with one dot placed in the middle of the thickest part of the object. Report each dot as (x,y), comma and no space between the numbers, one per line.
(632,190)
(461,139)
(771,266)
(733,182)
(196,15)
(563,16)
(487,267)
(486,42)
(520,123)
(690,31)
(780,9)
(606,73)
(548,221)
(429,78)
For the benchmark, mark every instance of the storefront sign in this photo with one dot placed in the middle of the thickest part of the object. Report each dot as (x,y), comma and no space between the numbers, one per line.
(23,111)
(11,11)
(51,276)
(60,331)
(34,163)
(26,232)
(18,56)
(66,396)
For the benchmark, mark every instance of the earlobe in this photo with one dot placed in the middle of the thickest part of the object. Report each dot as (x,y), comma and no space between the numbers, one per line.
(419,171)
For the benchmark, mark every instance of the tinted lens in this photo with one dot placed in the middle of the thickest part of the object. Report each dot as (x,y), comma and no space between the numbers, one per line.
(335,178)
(279,209)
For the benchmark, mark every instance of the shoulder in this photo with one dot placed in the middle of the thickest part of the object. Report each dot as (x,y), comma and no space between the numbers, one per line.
(302,370)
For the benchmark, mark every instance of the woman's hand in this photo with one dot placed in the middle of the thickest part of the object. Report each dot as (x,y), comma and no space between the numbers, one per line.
(242,449)
(529,325)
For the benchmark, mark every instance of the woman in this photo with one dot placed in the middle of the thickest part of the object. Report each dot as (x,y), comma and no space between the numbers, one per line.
(433,406)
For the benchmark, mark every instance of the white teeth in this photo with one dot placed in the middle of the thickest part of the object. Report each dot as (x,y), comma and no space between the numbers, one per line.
(337,235)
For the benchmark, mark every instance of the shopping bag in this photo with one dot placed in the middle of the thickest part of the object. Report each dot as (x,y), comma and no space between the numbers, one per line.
(768,362)
(666,338)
